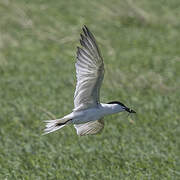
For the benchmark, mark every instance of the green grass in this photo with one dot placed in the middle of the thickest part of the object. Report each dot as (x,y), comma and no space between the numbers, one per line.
(140,44)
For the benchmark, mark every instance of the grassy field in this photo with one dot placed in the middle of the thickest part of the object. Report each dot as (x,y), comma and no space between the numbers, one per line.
(140,43)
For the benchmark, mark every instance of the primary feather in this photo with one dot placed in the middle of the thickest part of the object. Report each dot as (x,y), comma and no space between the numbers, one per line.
(92,127)
(89,73)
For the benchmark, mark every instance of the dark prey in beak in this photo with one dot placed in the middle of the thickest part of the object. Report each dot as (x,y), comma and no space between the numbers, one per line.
(129,110)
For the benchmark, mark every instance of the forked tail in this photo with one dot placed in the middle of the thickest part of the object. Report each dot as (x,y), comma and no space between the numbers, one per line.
(54,125)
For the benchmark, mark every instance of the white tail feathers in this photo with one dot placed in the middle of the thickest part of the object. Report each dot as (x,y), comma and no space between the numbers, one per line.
(54,125)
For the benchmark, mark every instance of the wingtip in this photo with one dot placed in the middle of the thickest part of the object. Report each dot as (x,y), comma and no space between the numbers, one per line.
(85,30)
(81,42)
(82,36)
(88,33)
(85,26)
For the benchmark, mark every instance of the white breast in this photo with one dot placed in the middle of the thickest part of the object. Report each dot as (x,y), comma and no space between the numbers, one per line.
(84,116)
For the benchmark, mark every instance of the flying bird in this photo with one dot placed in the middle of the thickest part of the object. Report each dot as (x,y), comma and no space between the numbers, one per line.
(88,113)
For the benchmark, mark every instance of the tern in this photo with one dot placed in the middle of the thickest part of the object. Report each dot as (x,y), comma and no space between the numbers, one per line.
(88,113)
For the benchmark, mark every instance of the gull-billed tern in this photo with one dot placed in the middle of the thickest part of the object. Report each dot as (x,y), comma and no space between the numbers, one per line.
(87,115)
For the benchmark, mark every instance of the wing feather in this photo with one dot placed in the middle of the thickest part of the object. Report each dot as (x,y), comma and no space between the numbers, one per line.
(89,72)
(89,128)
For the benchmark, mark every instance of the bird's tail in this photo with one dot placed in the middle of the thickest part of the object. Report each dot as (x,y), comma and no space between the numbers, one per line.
(54,125)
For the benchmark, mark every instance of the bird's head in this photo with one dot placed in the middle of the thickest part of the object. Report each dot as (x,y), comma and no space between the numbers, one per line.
(122,106)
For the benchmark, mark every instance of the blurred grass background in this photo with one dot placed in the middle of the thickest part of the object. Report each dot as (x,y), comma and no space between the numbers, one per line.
(140,44)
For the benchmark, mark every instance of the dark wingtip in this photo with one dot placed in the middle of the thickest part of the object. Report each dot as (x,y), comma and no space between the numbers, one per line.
(85,30)
(85,27)
(81,36)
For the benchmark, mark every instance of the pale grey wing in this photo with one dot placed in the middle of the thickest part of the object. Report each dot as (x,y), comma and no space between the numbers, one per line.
(89,128)
(89,72)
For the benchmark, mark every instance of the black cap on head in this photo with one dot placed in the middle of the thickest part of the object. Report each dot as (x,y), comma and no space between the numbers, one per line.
(121,104)
(116,102)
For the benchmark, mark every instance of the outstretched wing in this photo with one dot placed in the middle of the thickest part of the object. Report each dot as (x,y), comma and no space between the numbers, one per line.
(89,72)
(92,127)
